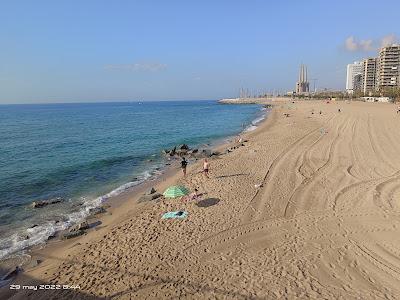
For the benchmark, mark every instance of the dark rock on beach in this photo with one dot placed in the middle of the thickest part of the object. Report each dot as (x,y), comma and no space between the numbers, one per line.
(181,152)
(149,197)
(70,235)
(51,237)
(184,150)
(12,273)
(81,226)
(151,191)
(172,152)
(97,210)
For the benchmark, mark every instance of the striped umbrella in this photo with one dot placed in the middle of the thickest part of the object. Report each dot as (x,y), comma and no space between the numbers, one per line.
(176,191)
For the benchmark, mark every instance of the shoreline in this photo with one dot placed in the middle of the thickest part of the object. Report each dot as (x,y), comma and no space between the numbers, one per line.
(114,202)
(122,207)
(307,208)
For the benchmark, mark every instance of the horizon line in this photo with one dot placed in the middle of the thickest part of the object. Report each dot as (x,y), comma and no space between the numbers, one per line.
(108,101)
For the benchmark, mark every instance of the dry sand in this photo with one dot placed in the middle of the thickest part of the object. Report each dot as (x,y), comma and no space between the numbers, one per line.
(324,225)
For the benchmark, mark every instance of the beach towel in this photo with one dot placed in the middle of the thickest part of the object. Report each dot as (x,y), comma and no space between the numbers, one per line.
(180,214)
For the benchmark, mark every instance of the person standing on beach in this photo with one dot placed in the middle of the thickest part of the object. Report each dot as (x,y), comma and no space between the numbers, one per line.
(183,166)
(206,167)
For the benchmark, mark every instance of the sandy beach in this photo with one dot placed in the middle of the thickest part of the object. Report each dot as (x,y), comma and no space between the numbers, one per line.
(307,208)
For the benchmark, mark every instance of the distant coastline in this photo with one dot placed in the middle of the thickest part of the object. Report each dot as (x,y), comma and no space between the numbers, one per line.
(249,100)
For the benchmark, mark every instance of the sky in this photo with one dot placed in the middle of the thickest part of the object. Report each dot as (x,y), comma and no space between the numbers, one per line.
(84,51)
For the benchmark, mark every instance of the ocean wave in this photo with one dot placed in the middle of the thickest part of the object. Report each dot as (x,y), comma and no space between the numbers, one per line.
(256,121)
(15,244)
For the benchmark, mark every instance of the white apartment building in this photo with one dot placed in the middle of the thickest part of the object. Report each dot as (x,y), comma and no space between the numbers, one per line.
(388,73)
(353,69)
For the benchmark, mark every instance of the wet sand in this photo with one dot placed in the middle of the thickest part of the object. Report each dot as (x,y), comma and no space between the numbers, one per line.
(325,224)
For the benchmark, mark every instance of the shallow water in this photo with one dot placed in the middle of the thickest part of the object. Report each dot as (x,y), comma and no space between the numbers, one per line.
(86,153)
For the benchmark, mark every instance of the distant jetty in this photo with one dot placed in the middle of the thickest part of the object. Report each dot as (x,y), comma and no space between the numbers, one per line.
(246,101)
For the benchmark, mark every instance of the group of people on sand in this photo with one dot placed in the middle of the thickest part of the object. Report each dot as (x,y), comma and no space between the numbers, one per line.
(206,166)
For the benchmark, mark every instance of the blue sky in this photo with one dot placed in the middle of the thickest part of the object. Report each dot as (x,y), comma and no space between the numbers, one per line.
(80,51)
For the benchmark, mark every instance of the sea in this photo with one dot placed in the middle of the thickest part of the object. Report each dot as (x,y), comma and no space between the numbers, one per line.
(87,153)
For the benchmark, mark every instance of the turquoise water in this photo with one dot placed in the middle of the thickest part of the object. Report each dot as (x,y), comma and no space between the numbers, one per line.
(86,153)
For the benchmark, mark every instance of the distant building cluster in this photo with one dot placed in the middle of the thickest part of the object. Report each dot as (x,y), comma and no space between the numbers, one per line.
(375,74)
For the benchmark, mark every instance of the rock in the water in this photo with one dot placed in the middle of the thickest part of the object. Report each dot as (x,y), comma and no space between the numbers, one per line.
(181,152)
(184,147)
(172,152)
(34,225)
(43,203)
(70,235)
(165,151)
(51,237)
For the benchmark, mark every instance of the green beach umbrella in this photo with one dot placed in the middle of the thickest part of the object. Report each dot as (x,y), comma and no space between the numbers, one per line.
(176,191)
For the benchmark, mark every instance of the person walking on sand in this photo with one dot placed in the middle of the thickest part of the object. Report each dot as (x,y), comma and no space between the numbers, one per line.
(206,167)
(183,166)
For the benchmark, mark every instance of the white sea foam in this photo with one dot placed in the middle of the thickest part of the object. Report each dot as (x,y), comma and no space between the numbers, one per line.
(255,122)
(37,235)
(17,242)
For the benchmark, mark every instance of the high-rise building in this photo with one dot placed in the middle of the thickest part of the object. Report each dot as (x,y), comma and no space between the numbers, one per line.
(353,70)
(303,86)
(369,75)
(388,67)
(358,83)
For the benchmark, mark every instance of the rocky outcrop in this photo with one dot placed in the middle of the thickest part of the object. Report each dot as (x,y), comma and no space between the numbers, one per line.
(11,274)
(43,203)
(81,226)
(97,210)
(185,151)
(70,235)
(151,191)
(149,195)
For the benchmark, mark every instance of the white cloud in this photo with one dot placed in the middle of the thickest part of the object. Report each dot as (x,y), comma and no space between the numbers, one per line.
(388,40)
(140,66)
(351,44)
